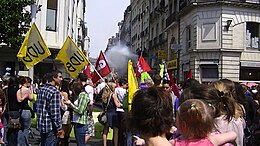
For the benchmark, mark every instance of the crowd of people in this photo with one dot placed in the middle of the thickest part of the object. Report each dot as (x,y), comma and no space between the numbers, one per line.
(223,112)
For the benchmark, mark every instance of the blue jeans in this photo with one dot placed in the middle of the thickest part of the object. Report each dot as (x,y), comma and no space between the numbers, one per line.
(80,133)
(4,121)
(23,134)
(48,139)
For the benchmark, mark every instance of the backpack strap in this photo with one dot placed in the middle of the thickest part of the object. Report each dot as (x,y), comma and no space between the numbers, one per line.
(109,98)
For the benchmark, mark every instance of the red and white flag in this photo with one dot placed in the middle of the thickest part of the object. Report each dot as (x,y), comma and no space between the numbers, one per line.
(101,67)
(175,88)
(87,71)
(142,66)
(189,75)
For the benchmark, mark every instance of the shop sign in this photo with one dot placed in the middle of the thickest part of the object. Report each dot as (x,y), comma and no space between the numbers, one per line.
(161,54)
(172,64)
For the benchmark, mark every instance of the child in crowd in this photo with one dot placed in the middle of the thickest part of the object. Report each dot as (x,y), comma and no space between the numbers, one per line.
(151,115)
(195,123)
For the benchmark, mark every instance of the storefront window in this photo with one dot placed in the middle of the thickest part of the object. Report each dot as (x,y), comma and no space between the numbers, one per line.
(249,74)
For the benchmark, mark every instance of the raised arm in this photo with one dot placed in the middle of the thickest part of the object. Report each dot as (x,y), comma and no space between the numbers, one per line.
(116,100)
(220,139)
(83,103)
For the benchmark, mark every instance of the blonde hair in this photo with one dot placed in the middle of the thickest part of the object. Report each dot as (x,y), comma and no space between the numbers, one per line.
(107,91)
(149,82)
(227,88)
(194,119)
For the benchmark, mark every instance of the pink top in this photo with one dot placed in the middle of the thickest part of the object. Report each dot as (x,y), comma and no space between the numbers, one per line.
(194,142)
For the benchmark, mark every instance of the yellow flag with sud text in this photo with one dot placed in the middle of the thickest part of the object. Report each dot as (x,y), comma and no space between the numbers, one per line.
(72,57)
(132,83)
(33,49)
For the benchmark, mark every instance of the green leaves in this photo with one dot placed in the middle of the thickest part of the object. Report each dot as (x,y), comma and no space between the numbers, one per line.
(14,21)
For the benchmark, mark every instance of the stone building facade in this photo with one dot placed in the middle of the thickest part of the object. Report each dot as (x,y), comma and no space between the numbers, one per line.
(220,39)
(56,20)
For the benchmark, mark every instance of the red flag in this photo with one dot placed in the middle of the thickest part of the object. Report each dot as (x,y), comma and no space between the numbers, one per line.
(175,88)
(102,68)
(87,71)
(142,66)
(189,75)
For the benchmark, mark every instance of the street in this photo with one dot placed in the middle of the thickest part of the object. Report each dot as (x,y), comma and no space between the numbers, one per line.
(35,140)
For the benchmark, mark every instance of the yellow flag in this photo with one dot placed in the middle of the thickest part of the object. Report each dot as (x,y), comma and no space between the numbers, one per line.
(72,58)
(33,49)
(132,83)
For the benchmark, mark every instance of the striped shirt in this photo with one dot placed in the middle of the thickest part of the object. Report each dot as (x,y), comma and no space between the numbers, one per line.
(80,109)
(48,109)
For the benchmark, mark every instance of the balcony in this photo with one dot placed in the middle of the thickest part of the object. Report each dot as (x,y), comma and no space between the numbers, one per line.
(186,3)
(171,19)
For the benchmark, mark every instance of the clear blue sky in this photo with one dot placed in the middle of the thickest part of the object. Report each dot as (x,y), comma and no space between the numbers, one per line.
(102,19)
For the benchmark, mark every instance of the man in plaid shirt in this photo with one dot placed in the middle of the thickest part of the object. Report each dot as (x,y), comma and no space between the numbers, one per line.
(48,110)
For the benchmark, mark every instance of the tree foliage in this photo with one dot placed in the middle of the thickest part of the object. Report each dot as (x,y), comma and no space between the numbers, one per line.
(14,21)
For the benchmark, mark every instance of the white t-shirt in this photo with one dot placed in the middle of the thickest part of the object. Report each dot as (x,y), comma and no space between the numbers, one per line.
(90,91)
(100,87)
(120,93)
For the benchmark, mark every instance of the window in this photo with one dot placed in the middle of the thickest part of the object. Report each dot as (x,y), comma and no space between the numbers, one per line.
(253,1)
(152,36)
(249,71)
(51,15)
(152,4)
(209,72)
(188,37)
(157,29)
(249,74)
(208,32)
(162,24)
(252,35)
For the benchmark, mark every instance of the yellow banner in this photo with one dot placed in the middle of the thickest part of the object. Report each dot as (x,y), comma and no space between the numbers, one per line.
(33,49)
(161,54)
(172,64)
(72,57)
(132,83)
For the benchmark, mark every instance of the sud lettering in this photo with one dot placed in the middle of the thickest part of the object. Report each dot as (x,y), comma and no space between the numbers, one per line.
(75,60)
(33,52)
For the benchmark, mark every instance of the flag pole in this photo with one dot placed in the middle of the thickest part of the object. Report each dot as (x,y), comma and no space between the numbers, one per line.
(100,76)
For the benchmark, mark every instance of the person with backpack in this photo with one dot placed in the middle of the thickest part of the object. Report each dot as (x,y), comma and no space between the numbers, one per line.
(12,109)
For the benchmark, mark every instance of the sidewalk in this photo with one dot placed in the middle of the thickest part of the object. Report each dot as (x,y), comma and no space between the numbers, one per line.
(35,140)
